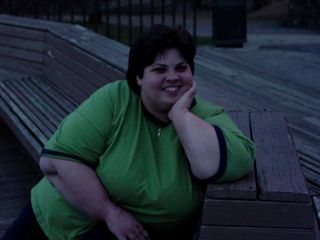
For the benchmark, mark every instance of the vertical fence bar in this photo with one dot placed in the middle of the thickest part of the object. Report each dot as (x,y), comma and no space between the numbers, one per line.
(184,14)
(152,12)
(141,15)
(107,18)
(130,20)
(173,13)
(119,20)
(47,10)
(84,12)
(212,23)
(162,11)
(95,16)
(10,9)
(59,11)
(195,20)
(72,11)
(35,8)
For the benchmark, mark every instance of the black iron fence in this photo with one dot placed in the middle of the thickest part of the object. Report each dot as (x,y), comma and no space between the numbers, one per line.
(123,19)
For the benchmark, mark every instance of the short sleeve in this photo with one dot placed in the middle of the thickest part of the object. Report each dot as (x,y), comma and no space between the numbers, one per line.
(83,134)
(237,152)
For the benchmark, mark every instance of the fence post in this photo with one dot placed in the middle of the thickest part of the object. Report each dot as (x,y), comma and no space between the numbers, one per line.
(107,18)
(59,11)
(119,20)
(130,20)
(72,10)
(152,12)
(174,13)
(195,20)
(162,10)
(140,15)
(184,14)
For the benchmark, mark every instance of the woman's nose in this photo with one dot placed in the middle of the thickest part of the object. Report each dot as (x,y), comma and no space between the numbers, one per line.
(172,76)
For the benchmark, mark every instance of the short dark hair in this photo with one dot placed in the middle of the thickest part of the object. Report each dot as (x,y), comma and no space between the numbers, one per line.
(153,42)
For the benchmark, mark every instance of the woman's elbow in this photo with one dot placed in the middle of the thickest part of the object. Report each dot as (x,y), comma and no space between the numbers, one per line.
(46,166)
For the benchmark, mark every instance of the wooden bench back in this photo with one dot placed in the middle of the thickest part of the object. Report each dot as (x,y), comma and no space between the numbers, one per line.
(21,49)
(72,58)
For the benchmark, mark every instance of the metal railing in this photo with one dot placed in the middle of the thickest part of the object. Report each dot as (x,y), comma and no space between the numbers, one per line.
(116,17)
(123,20)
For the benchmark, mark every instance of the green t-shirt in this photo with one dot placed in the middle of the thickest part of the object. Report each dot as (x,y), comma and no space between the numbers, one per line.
(141,163)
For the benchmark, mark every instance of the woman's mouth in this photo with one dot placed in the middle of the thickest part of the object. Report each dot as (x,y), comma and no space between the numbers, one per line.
(171,89)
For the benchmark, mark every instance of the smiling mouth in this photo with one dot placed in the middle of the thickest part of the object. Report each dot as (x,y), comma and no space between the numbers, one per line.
(171,89)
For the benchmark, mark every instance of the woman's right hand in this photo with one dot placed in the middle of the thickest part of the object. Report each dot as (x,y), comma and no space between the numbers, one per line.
(124,225)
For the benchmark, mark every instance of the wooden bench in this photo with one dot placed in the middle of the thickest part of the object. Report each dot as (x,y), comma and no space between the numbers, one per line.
(62,64)
(272,202)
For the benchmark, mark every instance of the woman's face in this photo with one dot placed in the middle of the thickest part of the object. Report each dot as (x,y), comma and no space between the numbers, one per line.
(165,81)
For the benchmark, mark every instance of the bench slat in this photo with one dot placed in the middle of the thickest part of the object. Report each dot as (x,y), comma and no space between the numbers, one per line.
(33,102)
(19,65)
(19,110)
(26,44)
(65,102)
(44,102)
(27,139)
(21,32)
(90,62)
(249,233)
(278,170)
(22,54)
(61,78)
(258,213)
(84,75)
(30,109)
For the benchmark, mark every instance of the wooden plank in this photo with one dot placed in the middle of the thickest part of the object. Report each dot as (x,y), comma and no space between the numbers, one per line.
(21,66)
(244,188)
(32,146)
(85,58)
(278,169)
(46,105)
(81,70)
(19,113)
(32,101)
(21,54)
(87,40)
(20,43)
(249,233)
(21,32)
(65,103)
(26,110)
(258,214)
(56,76)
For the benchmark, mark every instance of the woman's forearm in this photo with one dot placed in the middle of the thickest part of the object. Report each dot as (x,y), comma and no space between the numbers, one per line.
(79,185)
(200,143)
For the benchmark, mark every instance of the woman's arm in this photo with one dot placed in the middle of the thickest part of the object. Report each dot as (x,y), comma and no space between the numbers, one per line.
(81,187)
(198,137)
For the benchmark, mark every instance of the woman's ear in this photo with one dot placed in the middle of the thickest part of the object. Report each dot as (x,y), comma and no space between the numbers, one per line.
(139,80)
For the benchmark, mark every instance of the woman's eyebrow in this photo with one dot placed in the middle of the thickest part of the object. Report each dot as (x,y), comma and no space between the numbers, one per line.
(159,65)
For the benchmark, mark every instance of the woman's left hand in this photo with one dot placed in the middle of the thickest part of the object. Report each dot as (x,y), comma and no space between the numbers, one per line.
(183,104)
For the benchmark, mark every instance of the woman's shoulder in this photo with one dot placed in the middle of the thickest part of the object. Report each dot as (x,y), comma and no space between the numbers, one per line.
(203,108)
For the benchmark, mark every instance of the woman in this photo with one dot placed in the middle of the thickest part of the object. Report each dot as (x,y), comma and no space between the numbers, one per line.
(131,161)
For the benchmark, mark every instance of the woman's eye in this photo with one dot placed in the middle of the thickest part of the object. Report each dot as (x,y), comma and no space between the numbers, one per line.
(159,70)
(182,68)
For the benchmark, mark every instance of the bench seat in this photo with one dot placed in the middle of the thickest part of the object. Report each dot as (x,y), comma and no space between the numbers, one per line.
(35,107)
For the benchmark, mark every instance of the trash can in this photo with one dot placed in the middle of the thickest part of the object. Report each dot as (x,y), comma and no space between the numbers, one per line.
(229,23)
